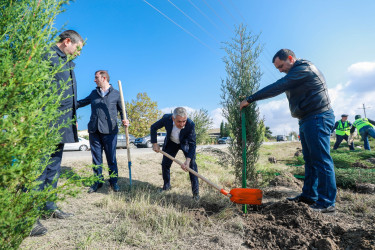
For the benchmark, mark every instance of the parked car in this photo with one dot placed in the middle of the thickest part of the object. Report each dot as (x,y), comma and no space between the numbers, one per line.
(281,138)
(146,141)
(224,140)
(81,145)
(121,140)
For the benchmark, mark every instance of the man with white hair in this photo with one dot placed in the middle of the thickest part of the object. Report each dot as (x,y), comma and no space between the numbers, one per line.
(180,135)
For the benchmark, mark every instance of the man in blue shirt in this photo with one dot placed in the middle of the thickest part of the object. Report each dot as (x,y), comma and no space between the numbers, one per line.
(105,105)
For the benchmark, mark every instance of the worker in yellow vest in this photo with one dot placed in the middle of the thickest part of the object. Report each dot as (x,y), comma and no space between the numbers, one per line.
(365,128)
(342,132)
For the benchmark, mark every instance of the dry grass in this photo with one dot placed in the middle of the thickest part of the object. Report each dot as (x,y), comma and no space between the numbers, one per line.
(145,218)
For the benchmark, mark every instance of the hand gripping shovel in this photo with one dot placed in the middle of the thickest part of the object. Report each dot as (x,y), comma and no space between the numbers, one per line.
(236,195)
(126,133)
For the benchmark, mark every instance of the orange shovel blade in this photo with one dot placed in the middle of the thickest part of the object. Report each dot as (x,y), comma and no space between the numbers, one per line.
(246,196)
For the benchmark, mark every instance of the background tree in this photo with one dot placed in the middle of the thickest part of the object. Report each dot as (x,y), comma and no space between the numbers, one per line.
(29,104)
(268,132)
(142,113)
(224,129)
(294,133)
(203,123)
(243,76)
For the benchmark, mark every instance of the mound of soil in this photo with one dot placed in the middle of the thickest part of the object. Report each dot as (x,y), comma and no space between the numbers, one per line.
(286,180)
(359,165)
(365,188)
(290,225)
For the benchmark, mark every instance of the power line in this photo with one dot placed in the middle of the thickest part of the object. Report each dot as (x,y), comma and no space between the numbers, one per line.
(226,9)
(234,7)
(209,19)
(217,14)
(191,19)
(188,32)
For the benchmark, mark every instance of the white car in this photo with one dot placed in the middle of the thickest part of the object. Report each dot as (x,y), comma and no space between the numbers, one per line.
(82,145)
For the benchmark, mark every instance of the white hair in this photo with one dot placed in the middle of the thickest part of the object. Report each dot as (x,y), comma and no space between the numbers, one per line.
(179,111)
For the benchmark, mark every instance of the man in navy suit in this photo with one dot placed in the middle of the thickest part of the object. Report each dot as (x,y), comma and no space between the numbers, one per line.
(180,135)
(105,104)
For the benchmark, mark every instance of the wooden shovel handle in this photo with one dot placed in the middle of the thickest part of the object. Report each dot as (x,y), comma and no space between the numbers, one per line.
(196,174)
(125,117)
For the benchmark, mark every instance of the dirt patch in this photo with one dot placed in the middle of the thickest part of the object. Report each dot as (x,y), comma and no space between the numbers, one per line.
(298,152)
(365,188)
(290,225)
(286,180)
(359,165)
(274,194)
(371,160)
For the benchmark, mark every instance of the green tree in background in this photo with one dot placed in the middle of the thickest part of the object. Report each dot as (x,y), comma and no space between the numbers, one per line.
(29,104)
(224,129)
(203,123)
(268,132)
(243,76)
(142,113)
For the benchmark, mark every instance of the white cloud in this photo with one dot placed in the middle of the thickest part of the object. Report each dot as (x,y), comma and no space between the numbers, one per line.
(345,98)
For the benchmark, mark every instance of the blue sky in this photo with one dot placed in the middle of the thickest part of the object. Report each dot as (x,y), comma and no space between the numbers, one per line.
(149,53)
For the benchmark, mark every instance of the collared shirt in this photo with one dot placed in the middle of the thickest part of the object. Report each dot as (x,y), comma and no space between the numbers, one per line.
(103,93)
(175,135)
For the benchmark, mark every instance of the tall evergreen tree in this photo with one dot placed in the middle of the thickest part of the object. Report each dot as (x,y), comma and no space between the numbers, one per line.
(243,76)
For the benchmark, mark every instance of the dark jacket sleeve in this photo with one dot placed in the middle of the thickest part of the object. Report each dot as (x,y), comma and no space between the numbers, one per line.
(352,130)
(154,128)
(334,127)
(84,102)
(192,143)
(119,108)
(291,80)
(371,121)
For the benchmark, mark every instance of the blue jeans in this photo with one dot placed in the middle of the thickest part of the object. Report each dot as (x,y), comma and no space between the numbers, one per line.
(108,142)
(365,132)
(320,182)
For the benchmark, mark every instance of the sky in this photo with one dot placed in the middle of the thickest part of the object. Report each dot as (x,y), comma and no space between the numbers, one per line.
(173,50)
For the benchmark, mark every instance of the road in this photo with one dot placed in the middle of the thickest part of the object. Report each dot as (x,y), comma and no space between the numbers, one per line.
(134,151)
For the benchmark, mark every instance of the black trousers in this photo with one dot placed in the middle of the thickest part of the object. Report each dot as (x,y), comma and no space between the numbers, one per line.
(339,139)
(172,149)
(51,174)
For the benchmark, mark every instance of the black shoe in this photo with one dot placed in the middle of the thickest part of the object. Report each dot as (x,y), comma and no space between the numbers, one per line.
(38,229)
(95,187)
(318,208)
(196,197)
(300,198)
(61,215)
(115,187)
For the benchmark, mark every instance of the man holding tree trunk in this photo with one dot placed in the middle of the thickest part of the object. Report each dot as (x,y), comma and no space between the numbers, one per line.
(307,93)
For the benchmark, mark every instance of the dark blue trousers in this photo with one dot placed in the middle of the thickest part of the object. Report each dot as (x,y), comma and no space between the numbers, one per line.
(320,181)
(339,139)
(108,142)
(172,149)
(51,174)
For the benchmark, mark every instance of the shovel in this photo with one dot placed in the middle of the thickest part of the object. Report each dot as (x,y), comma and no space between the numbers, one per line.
(126,133)
(236,195)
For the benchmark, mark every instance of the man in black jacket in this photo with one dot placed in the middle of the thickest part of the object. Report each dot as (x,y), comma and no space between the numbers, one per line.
(180,135)
(69,44)
(105,104)
(307,93)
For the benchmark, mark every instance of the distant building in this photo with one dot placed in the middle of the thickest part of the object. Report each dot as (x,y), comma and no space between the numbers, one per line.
(214,133)
(83,133)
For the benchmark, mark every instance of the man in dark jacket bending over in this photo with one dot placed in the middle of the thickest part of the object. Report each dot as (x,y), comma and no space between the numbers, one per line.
(180,135)
(306,90)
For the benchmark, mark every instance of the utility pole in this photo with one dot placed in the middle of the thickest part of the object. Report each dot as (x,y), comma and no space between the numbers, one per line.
(364,109)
